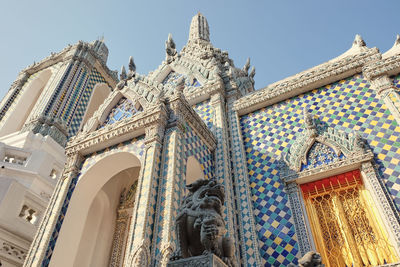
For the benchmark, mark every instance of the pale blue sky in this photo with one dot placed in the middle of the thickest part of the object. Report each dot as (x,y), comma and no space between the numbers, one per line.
(281,37)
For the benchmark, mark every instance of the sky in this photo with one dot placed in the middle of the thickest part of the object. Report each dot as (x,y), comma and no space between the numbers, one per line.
(281,37)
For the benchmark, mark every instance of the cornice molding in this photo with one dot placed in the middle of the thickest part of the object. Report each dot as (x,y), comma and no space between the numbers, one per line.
(388,66)
(306,81)
(80,51)
(182,112)
(118,132)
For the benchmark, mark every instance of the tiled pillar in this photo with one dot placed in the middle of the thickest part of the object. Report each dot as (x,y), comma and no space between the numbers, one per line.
(302,232)
(389,94)
(169,196)
(139,240)
(222,161)
(247,229)
(380,196)
(43,244)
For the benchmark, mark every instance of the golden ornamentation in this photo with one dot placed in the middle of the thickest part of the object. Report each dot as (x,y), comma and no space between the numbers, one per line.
(345,224)
(124,215)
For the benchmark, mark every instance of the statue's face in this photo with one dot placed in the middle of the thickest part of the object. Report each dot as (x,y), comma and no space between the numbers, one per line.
(210,195)
(317,258)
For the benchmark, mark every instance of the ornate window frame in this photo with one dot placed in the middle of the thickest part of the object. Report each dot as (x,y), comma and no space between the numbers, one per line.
(356,156)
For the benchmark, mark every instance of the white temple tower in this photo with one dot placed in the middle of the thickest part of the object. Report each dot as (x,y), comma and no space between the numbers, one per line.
(46,105)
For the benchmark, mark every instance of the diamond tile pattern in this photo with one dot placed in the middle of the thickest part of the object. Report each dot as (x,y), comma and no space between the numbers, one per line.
(346,105)
(77,116)
(195,147)
(206,112)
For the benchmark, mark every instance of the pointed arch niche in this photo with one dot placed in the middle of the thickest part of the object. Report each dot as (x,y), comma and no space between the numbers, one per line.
(100,93)
(95,227)
(26,102)
(322,166)
(194,171)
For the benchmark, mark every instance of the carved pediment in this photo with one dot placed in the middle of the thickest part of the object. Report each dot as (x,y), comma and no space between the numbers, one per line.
(125,108)
(319,148)
(103,112)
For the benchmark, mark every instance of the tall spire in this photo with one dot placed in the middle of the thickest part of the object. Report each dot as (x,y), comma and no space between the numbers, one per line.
(199,28)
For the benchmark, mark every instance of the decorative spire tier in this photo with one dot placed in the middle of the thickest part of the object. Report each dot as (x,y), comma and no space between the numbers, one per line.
(199,29)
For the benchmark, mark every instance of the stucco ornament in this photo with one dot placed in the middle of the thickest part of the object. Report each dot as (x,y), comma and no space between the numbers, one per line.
(310,259)
(170,49)
(200,226)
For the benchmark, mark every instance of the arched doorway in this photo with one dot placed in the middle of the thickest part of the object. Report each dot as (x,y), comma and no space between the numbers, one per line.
(27,100)
(86,237)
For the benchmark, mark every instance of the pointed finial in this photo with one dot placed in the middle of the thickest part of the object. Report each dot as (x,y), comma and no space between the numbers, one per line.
(199,29)
(170,48)
(247,65)
(395,50)
(122,76)
(397,42)
(252,72)
(358,41)
(132,66)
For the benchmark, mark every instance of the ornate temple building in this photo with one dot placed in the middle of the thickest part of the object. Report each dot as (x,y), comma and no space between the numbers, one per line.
(94,167)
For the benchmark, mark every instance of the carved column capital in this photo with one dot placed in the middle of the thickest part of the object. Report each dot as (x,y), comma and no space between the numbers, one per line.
(382,84)
(155,133)
(217,98)
(72,166)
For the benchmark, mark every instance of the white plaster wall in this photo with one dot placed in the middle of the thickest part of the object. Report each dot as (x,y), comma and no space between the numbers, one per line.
(27,184)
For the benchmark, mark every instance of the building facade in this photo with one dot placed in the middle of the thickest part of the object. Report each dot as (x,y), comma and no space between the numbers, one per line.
(47,104)
(308,163)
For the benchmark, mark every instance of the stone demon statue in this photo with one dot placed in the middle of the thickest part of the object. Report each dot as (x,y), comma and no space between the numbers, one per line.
(310,259)
(200,227)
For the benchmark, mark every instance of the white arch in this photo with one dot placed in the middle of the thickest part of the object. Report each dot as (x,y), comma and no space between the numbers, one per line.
(193,170)
(25,103)
(85,237)
(100,92)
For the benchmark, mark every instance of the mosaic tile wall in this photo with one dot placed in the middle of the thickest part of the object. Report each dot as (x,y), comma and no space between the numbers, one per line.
(73,95)
(57,91)
(135,146)
(193,146)
(80,105)
(346,105)
(206,112)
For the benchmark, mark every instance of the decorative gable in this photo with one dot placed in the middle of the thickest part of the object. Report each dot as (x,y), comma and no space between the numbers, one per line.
(125,108)
(321,154)
(321,148)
